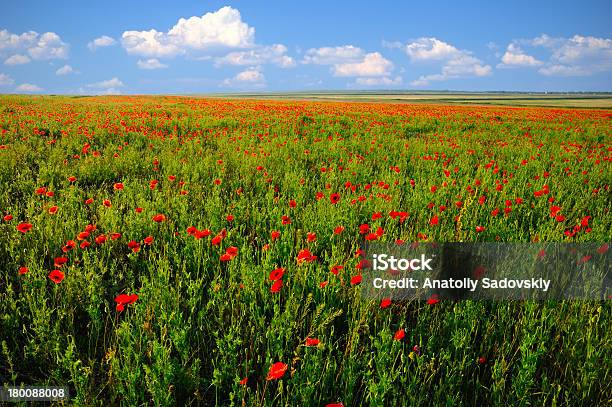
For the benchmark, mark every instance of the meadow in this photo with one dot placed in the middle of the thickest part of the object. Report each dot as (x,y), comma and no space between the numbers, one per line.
(195,251)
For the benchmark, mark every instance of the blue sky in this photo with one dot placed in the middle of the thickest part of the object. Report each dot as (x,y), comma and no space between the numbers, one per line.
(201,47)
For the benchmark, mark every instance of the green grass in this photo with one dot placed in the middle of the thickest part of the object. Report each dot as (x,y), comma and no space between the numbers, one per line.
(201,325)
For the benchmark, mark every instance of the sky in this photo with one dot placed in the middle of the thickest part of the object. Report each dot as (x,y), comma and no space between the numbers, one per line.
(190,47)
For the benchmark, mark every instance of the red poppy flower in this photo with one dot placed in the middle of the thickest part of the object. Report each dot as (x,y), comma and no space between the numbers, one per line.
(371,236)
(482,360)
(134,246)
(334,198)
(364,229)
(52,210)
(22,270)
(276,287)
(355,280)
(338,230)
(334,405)
(277,370)
(229,218)
(41,191)
(83,235)
(148,240)
(312,341)
(88,201)
(191,230)
(434,220)
(216,240)
(480,229)
(118,186)
(201,233)
(244,381)
(56,276)
(433,299)
(285,220)
(159,218)
(101,239)
(292,204)
(72,179)
(386,302)
(24,227)
(225,257)
(107,203)
(323,284)
(336,269)
(125,299)
(275,234)
(232,251)
(305,255)
(115,235)
(311,237)
(399,334)
(277,274)
(138,210)
(8,217)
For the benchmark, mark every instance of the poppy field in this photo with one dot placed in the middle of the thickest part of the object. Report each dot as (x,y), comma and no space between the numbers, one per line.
(193,251)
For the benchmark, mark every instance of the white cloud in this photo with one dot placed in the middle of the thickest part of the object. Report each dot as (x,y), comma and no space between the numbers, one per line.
(456,63)
(373,64)
(427,49)
(152,63)
(251,77)
(333,55)
(221,29)
(515,57)
(17,59)
(38,46)
(28,87)
(6,80)
(275,54)
(381,81)
(103,41)
(65,70)
(575,56)
(108,84)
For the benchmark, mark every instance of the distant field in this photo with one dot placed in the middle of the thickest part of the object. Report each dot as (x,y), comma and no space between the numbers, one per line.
(573,100)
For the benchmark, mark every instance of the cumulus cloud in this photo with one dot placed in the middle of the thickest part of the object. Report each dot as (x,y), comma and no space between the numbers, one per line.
(575,56)
(6,80)
(65,70)
(100,42)
(381,81)
(17,59)
(221,29)
(515,57)
(28,87)
(44,46)
(274,54)
(333,55)
(110,83)
(252,77)
(151,63)
(456,63)
(351,61)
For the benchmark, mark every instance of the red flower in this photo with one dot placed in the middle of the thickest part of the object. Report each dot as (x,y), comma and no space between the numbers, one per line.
(305,255)
(159,218)
(277,274)
(364,229)
(277,370)
(386,302)
(24,227)
(286,220)
(124,299)
(56,276)
(292,204)
(22,270)
(480,229)
(334,405)
(338,230)
(72,179)
(244,381)
(433,299)
(275,234)
(334,198)
(84,244)
(138,210)
(118,186)
(276,287)
(336,269)
(323,284)
(355,280)
(482,360)
(115,235)
(101,239)
(53,210)
(134,246)
(88,201)
(434,220)
(311,237)
(107,203)
(312,341)
(8,217)
(229,218)
(399,334)
(148,240)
